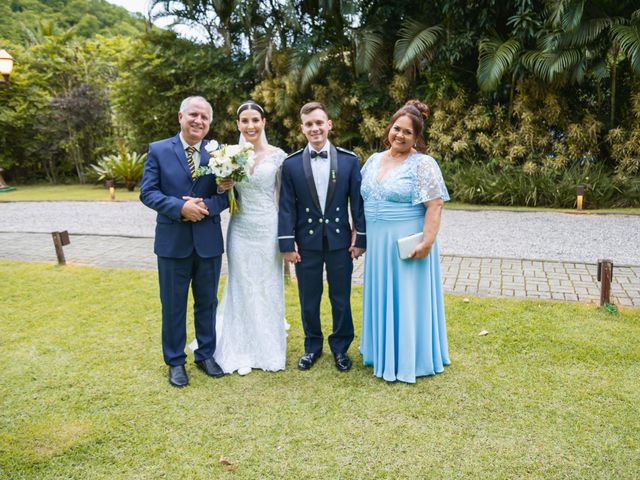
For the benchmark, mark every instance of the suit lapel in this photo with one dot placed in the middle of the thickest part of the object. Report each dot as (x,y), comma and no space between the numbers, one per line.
(333,175)
(308,175)
(182,157)
(204,155)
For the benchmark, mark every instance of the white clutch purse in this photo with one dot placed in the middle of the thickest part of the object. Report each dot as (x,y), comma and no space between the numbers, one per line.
(406,245)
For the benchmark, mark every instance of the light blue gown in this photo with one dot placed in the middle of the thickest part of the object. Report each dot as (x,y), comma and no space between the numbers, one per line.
(404,333)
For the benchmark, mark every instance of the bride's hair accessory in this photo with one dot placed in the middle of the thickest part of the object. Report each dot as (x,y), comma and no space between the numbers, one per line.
(249,105)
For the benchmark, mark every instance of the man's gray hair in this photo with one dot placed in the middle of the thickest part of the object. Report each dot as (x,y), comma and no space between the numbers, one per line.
(185,103)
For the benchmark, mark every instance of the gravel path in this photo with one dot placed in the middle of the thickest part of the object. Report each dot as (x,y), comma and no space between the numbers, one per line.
(468,233)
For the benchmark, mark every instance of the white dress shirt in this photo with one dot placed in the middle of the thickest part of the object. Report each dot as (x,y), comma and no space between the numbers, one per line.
(320,167)
(196,155)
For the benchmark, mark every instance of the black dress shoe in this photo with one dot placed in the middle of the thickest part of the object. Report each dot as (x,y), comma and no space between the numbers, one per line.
(307,360)
(343,362)
(178,376)
(210,367)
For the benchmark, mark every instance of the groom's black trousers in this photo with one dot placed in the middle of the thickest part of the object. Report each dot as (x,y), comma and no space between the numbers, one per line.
(309,273)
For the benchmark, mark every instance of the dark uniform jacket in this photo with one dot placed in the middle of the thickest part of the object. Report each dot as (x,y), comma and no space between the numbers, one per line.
(300,216)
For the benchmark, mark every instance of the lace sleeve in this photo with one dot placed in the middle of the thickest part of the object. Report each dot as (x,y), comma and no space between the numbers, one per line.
(278,157)
(428,182)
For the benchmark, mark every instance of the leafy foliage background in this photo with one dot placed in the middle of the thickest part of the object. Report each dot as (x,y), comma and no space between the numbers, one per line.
(529,98)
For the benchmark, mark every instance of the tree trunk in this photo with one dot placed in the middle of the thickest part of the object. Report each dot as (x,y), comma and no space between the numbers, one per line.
(512,91)
(74,151)
(612,115)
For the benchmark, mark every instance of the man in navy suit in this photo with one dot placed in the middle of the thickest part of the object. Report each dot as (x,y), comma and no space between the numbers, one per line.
(188,239)
(320,184)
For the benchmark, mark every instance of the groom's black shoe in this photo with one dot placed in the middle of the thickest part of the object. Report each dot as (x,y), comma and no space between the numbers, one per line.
(210,367)
(343,362)
(178,376)
(307,360)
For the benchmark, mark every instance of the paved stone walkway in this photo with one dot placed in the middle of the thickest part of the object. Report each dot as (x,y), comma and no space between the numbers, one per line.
(493,277)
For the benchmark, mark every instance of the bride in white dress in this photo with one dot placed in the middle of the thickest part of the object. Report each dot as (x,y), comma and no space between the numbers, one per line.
(250,326)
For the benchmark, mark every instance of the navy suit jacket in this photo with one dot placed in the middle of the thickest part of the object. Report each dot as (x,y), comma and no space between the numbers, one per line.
(165,180)
(300,216)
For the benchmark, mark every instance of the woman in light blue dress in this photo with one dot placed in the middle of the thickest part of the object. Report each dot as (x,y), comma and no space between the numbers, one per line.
(403,323)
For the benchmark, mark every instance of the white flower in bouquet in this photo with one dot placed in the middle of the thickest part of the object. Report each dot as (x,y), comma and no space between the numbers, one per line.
(229,162)
(212,146)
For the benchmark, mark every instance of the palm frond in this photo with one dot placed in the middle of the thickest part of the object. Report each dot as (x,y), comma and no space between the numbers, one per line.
(572,16)
(578,72)
(600,70)
(555,10)
(311,69)
(262,53)
(306,66)
(416,42)
(549,41)
(550,66)
(585,33)
(628,37)
(369,44)
(496,59)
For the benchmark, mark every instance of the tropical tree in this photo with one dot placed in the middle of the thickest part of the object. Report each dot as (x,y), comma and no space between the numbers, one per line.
(584,40)
(499,57)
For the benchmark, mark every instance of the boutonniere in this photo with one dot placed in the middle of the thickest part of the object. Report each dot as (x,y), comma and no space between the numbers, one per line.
(333,176)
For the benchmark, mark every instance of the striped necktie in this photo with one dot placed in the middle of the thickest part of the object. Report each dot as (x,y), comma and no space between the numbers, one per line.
(192,166)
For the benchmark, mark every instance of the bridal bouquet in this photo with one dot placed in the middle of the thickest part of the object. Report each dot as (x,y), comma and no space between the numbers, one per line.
(229,162)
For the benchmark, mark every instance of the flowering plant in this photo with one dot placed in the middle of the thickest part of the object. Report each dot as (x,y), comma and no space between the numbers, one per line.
(229,162)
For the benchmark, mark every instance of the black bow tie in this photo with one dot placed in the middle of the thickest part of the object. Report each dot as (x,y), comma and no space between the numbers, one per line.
(322,154)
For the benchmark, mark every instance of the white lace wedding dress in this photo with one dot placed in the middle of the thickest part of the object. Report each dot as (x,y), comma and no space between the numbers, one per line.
(250,325)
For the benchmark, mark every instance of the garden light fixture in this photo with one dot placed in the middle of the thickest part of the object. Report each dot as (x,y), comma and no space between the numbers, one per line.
(6,66)
(580,194)
(111,185)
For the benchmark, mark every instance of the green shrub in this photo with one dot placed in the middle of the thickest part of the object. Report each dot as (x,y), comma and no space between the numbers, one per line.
(125,166)
(104,170)
(491,184)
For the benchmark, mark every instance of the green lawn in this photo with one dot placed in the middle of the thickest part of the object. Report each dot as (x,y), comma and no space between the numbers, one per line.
(35,193)
(551,392)
(39,193)
(469,206)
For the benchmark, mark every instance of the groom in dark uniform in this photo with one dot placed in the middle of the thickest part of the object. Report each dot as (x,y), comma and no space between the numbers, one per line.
(188,239)
(320,184)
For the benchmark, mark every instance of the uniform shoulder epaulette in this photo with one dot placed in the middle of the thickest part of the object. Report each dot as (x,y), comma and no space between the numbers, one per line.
(294,153)
(344,150)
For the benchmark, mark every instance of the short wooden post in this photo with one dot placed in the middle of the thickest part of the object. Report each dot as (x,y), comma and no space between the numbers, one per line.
(60,239)
(605,275)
